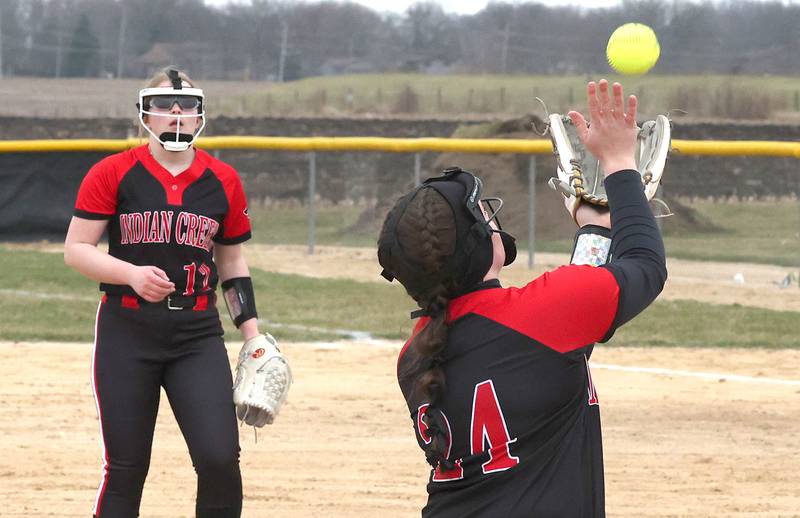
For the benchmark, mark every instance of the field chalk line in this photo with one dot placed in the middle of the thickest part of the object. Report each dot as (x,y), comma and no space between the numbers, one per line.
(368,339)
(718,376)
(40,295)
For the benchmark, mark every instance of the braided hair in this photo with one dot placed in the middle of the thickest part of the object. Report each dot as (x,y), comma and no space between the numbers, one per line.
(427,233)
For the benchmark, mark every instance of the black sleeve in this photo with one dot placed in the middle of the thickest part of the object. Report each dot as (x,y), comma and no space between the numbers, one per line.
(638,261)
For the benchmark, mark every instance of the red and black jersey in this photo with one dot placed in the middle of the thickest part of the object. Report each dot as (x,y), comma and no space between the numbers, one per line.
(524,427)
(520,411)
(167,221)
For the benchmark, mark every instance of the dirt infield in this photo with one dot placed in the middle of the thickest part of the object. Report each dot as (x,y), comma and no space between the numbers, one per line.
(675,445)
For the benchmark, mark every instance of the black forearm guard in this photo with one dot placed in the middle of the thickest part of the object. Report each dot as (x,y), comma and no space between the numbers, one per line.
(239,298)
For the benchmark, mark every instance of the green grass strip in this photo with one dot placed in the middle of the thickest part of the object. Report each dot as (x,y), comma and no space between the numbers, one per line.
(295,301)
(689,323)
(314,309)
(758,231)
(427,94)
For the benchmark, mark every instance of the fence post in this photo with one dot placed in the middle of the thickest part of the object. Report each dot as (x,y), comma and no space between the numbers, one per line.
(417,169)
(312,180)
(531,208)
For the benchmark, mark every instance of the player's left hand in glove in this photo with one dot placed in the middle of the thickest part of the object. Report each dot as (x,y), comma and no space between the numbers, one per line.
(262,381)
(580,176)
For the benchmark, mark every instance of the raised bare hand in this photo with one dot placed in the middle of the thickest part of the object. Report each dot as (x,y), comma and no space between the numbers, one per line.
(611,136)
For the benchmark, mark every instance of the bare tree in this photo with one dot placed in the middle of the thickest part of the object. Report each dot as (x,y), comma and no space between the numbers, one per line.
(1,41)
(241,40)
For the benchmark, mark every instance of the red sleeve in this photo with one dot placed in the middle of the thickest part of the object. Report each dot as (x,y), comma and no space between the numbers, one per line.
(236,224)
(421,323)
(565,309)
(97,195)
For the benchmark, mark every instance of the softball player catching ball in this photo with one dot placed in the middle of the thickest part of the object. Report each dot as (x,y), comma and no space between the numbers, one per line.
(496,379)
(176,218)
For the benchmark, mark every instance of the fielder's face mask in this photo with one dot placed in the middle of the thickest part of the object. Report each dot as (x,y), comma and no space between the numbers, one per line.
(474,252)
(165,98)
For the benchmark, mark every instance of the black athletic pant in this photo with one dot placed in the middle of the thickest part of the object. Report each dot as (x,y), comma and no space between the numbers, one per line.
(138,351)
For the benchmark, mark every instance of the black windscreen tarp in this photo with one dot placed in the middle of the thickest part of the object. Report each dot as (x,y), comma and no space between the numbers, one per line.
(37,193)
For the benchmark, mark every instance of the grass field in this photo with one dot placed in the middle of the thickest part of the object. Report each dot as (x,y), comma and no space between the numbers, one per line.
(700,96)
(303,308)
(44,300)
(761,231)
(759,97)
(758,231)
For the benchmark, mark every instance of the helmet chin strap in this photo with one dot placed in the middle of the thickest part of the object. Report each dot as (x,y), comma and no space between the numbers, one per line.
(174,141)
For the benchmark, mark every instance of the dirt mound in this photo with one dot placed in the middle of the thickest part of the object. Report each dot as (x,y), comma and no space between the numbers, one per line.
(506,175)
(685,220)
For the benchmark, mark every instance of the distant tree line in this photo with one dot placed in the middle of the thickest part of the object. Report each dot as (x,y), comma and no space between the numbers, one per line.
(280,40)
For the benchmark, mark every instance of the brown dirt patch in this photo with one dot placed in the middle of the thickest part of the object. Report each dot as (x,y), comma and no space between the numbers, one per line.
(674,445)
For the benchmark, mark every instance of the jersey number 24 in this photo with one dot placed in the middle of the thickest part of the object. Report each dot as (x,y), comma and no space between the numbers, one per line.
(488,428)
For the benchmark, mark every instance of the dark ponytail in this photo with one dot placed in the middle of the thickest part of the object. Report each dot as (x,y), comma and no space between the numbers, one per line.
(427,234)
(430,381)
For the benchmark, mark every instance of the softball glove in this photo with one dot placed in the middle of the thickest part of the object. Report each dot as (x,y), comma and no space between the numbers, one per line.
(262,381)
(580,174)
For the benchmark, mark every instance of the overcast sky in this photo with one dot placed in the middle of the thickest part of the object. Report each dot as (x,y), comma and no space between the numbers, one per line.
(452,6)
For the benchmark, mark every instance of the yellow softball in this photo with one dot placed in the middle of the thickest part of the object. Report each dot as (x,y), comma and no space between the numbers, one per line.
(632,49)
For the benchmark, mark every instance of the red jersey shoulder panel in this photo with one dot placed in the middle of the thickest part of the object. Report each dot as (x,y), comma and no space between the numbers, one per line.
(97,195)
(236,225)
(564,309)
(423,321)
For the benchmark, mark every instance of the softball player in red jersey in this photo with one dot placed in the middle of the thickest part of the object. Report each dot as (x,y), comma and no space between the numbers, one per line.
(497,380)
(175,218)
